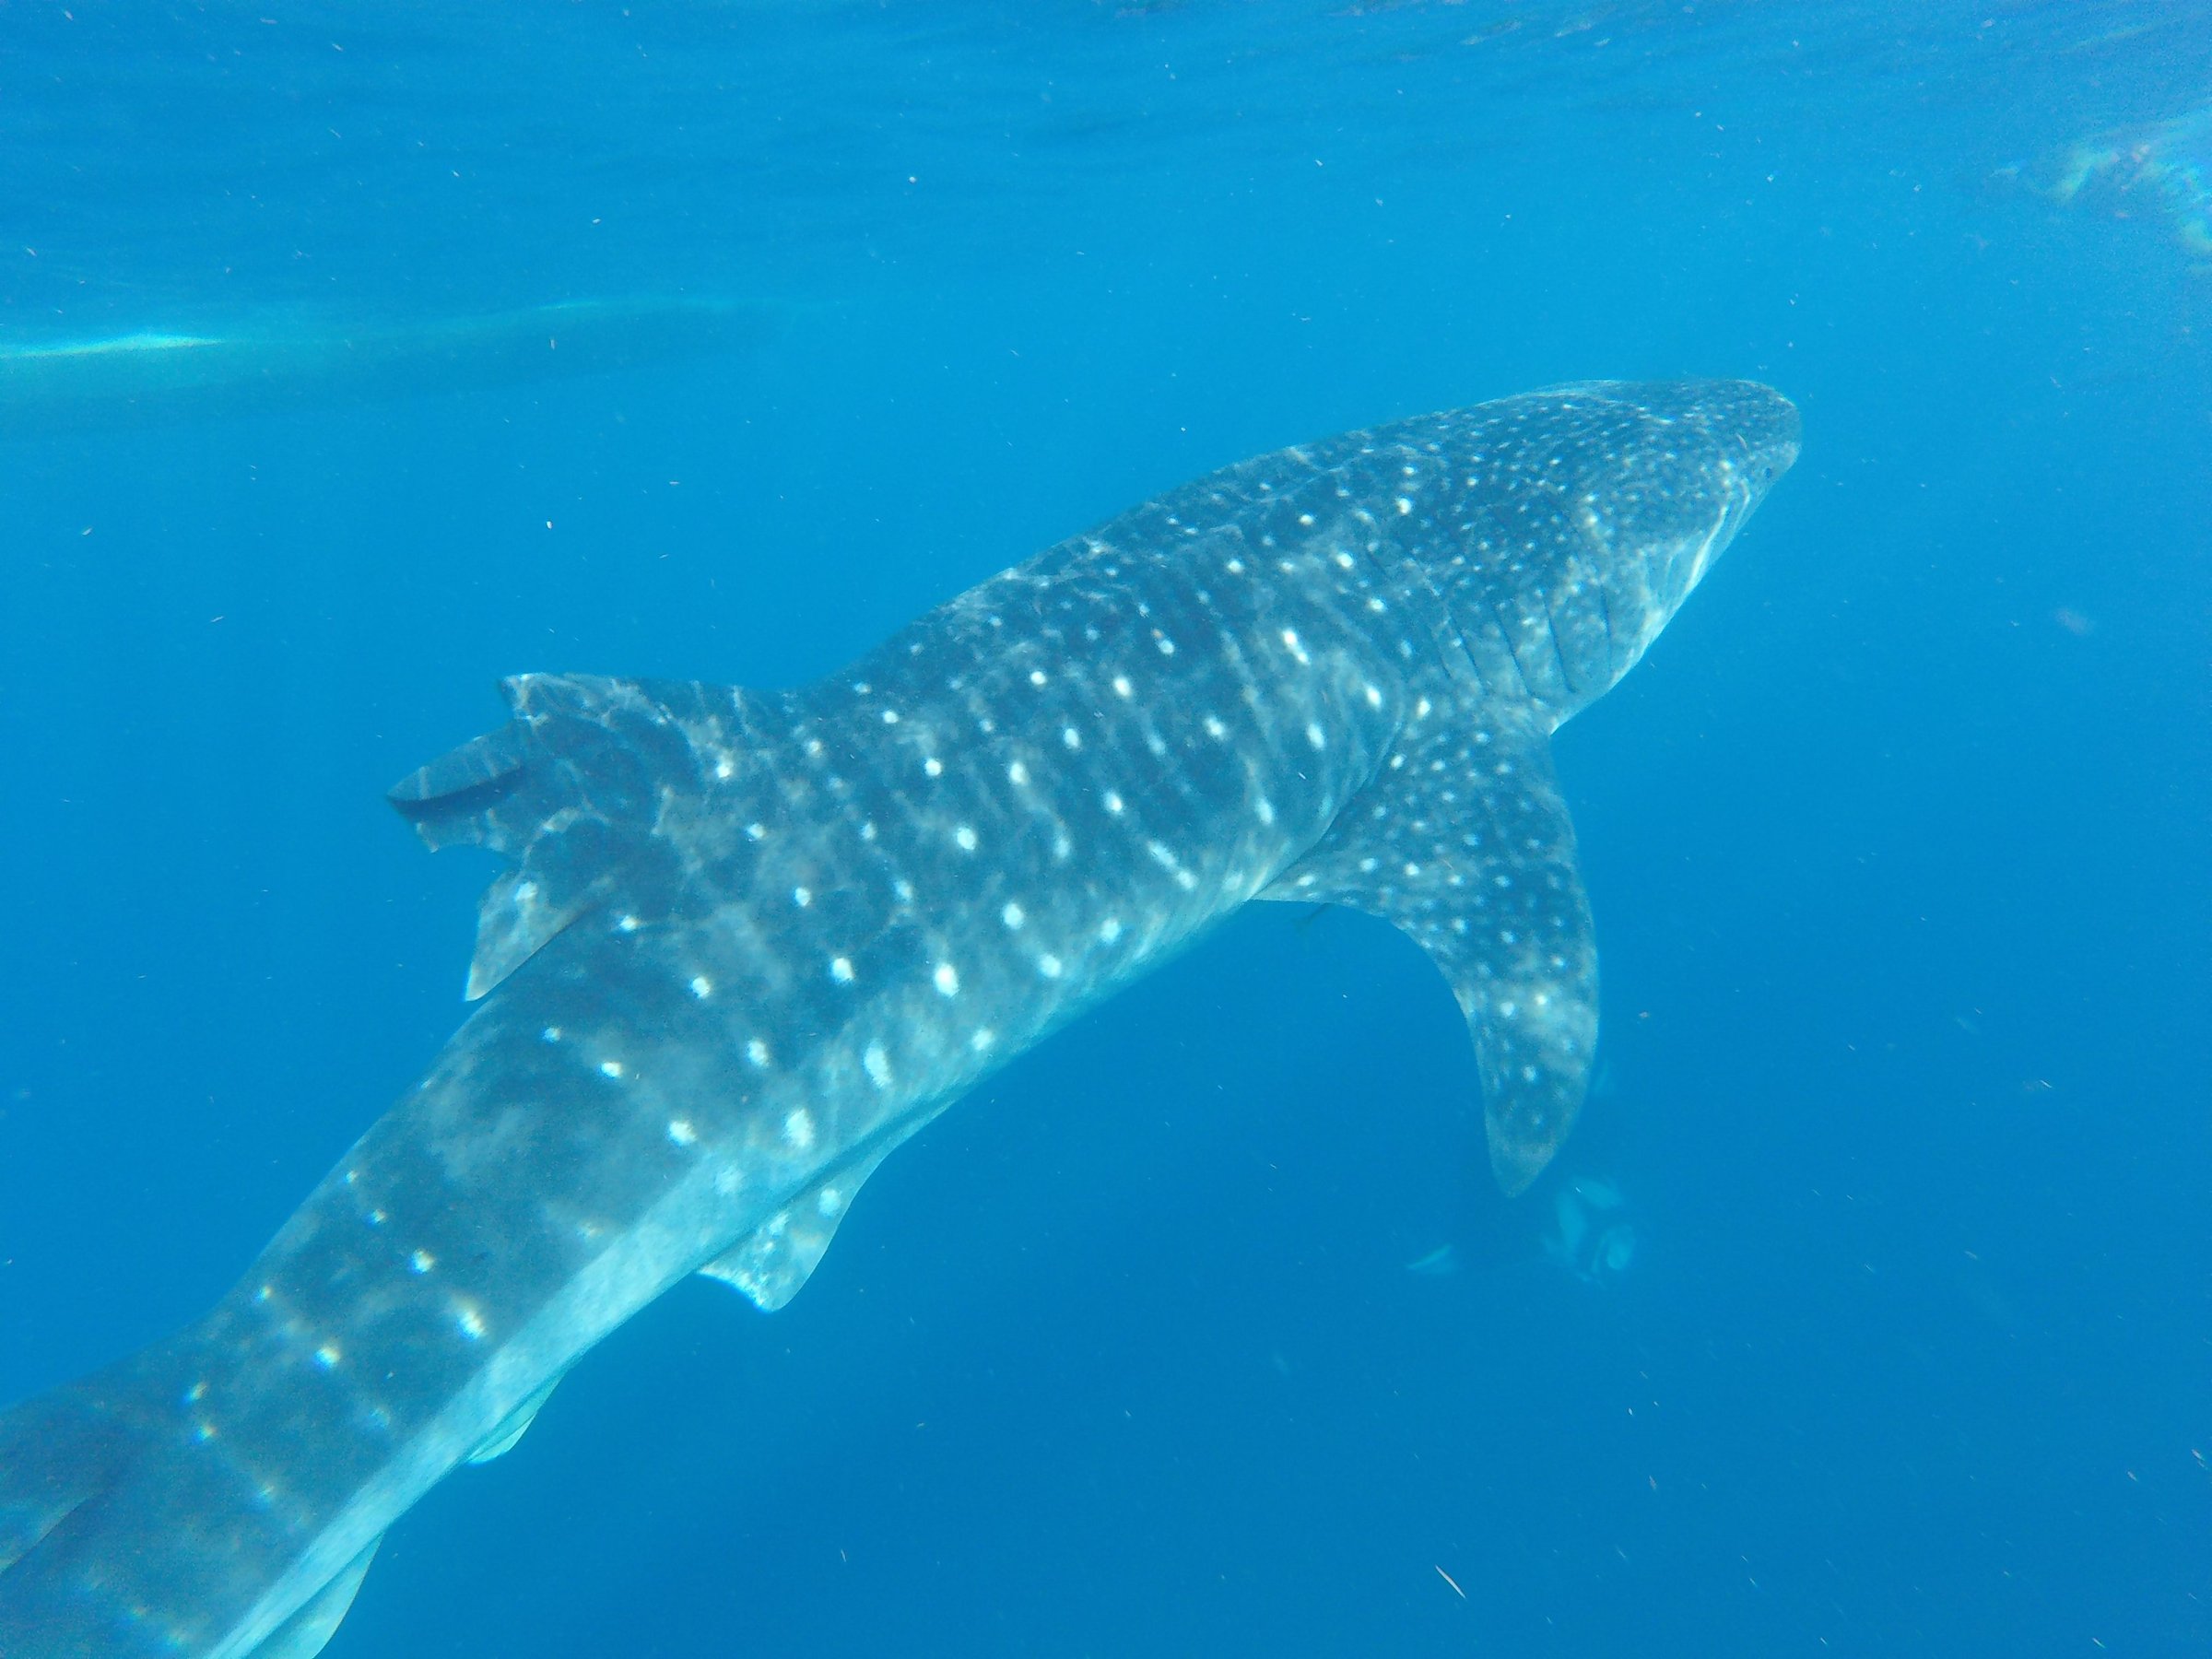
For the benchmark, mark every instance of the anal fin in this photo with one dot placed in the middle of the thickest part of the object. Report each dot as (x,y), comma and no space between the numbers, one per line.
(1463,842)
(513,1426)
(306,1632)
(773,1263)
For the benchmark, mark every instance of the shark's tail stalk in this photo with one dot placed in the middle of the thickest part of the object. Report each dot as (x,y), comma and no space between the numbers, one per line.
(79,1462)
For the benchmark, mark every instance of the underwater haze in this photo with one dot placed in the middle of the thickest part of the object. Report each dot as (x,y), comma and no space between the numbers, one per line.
(1869,1307)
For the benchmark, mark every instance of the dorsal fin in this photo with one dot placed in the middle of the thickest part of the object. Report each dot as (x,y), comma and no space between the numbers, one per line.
(570,791)
(1463,842)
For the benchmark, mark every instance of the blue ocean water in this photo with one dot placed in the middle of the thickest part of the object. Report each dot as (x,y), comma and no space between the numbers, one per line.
(1897,842)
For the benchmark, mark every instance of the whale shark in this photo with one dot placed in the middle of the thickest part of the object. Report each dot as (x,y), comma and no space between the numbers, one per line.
(743,943)
(149,374)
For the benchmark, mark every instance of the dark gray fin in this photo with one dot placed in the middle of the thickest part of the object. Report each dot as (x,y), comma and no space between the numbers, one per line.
(570,791)
(1463,842)
(56,1452)
(308,1631)
(514,1425)
(774,1262)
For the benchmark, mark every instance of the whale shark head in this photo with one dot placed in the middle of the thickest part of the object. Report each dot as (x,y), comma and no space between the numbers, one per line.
(1594,509)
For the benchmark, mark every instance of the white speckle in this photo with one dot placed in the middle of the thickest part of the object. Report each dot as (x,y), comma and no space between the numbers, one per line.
(798,1128)
(1235,567)
(1296,650)
(756,1051)
(377,1217)
(1374,697)
(831,1201)
(890,717)
(1421,709)
(947,979)
(1110,930)
(1264,809)
(1508,1010)
(1018,774)
(1404,506)
(861,686)
(470,1321)
(1012,916)
(878,1065)
(983,1040)
(966,837)
(525,891)
(422,1261)
(1344,560)
(724,770)
(1306,519)
(1036,677)
(903,890)
(801,897)
(701,986)
(1113,802)
(1185,880)
(1062,846)
(681,1132)
(1214,728)
(628,925)
(840,970)
(1167,647)
(933,766)
(613,1068)
(1121,687)
(1315,737)
(1048,965)
(754,832)
(1413,869)
(327,1355)
(1073,738)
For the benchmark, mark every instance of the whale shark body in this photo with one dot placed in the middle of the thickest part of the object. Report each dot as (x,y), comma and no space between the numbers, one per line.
(147,375)
(747,942)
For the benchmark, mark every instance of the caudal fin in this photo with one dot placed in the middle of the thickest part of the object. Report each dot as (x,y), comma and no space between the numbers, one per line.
(56,1452)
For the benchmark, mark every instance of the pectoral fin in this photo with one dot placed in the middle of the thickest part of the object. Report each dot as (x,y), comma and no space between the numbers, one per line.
(1463,841)
(772,1264)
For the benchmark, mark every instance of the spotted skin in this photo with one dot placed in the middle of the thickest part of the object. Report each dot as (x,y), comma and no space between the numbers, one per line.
(749,942)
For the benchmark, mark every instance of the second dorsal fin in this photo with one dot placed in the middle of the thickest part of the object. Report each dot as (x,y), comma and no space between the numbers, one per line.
(771,1263)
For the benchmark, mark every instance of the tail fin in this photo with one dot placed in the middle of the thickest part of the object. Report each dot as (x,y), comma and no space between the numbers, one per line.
(569,792)
(57,1451)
